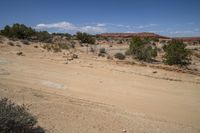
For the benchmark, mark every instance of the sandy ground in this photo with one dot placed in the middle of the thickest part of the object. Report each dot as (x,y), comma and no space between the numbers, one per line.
(90,94)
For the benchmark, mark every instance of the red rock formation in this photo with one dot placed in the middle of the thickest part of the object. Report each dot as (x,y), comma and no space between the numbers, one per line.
(130,35)
(188,39)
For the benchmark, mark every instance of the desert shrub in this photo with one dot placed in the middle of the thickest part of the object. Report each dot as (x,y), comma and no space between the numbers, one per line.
(67,35)
(109,57)
(47,47)
(72,45)
(17,119)
(85,38)
(128,52)
(63,46)
(55,47)
(25,42)
(141,50)
(147,40)
(11,43)
(120,56)
(101,55)
(44,36)
(176,53)
(196,54)
(102,50)
(18,45)
(1,39)
(14,39)
(120,42)
(92,49)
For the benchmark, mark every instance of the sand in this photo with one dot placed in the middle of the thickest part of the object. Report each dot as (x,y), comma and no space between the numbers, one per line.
(92,94)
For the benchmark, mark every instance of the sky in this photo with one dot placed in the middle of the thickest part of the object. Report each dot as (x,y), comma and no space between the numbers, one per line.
(174,18)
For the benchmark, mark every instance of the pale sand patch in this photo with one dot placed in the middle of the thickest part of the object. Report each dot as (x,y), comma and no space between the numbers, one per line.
(4,61)
(53,84)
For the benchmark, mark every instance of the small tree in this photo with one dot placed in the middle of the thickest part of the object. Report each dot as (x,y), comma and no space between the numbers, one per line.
(85,38)
(176,53)
(141,50)
(102,50)
(120,56)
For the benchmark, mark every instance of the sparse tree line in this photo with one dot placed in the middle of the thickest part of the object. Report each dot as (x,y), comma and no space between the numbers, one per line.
(175,52)
(21,31)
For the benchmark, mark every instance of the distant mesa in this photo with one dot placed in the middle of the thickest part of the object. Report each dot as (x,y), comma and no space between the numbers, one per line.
(130,35)
(191,40)
(188,39)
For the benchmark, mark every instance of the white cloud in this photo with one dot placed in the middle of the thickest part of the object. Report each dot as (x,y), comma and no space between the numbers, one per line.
(59,25)
(69,27)
(181,32)
(92,29)
(184,33)
(101,25)
(145,26)
(129,32)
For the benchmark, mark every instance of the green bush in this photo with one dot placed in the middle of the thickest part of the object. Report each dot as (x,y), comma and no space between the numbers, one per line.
(85,38)
(141,50)
(44,36)
(120,56)
(176,53)
(16,119)
(102,50)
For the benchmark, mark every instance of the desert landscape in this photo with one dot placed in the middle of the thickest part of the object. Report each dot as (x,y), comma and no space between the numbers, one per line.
(91,93)
(107,66)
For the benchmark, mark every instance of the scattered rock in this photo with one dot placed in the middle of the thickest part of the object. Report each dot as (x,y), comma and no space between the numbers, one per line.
(69,58)
(36,46)
(124,130)
(20,54)
(155,72)
(75,56)
(109,57)
(65,56)
(18,45)
(101,55)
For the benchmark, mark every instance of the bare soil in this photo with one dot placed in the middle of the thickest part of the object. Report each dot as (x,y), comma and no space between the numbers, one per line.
(92,94)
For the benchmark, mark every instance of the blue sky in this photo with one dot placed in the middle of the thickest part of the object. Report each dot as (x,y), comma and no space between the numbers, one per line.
(165,17)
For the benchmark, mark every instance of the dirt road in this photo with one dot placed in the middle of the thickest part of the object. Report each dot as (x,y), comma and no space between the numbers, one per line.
(95,95)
